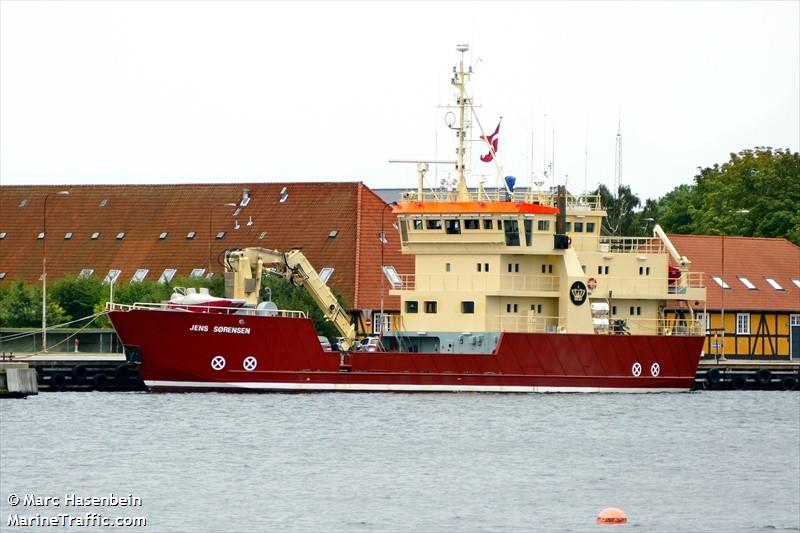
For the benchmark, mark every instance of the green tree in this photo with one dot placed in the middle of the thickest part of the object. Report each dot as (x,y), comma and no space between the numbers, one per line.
(21,307)
(621,217)
(78,296)
(755,194)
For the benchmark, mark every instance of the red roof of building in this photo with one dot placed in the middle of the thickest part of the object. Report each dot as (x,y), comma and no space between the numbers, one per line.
(336,224)
(754,259)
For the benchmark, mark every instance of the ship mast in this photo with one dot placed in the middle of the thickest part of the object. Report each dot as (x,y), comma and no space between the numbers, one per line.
(459,81)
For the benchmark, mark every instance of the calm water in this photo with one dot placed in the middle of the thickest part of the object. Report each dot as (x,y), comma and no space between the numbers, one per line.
(721,461)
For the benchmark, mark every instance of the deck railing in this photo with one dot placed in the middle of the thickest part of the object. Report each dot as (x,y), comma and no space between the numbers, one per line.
(193,308)
(614,326)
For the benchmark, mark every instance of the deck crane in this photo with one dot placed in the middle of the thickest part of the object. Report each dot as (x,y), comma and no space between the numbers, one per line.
(244,268)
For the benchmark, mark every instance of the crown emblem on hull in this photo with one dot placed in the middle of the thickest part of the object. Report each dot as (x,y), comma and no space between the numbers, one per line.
(577,293)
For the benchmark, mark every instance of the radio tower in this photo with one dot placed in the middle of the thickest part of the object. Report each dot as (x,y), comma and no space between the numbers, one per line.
(618,158)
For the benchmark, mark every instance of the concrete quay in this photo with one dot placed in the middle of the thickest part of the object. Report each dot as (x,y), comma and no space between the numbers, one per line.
(17,380)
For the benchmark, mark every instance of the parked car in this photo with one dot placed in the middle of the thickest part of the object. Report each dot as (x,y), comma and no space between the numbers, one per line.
(325,343)
(371,344)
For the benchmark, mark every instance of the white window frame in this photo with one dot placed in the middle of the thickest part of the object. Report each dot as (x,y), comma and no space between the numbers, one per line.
(394,278)
(112,276)
(325,273)
(85,272)
(197,272)
(794,320)
(796,282)
(139,275)
(167,275)
(705,317)
(775,285)
(720,282)
(743,323)
(747,283)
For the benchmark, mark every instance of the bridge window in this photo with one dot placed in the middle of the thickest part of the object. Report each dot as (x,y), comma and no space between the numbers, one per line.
(468,308)
(412,306)
(567,227)
(487,223)
(430,307)
(417,223)
(579,227)
(742,324)
(590,227)
(452,226)
(543,225)
(404,230)
(528,232)
(512,232)
(472,223)
(447,267)
(433,223)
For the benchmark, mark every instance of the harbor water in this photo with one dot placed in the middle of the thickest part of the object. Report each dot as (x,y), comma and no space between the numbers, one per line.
(703,461)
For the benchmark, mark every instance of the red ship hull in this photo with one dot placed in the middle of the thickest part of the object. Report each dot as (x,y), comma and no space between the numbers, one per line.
(182,351)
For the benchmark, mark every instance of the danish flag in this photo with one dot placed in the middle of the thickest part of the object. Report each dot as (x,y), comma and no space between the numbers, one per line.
(492,140)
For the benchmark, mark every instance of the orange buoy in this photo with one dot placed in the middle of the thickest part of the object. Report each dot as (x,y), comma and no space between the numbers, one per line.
(611,516)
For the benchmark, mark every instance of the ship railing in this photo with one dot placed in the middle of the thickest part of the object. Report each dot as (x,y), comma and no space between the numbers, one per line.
(575,203)
(647,286)
(193,308)
(632,245)
(477,282)
(612,326)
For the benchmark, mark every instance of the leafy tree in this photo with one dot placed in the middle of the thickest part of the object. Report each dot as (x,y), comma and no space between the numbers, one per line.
(21,307)
(755,193)
(78,296)
(620,219)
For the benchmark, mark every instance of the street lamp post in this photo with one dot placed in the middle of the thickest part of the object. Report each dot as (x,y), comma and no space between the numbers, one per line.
(383,240)
(210,229)
(44,266)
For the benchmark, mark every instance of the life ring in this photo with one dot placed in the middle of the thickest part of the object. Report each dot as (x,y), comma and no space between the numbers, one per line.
(763,377)
(738,382)
(713,376)
(789,383)
(591,283)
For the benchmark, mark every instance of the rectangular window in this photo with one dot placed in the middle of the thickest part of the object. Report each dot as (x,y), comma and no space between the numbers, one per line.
(433,223)
(746,283)
(647,271)
(528,232)
(549,269)
(391,274)
(509,267)
(468,308)
(167,275)
(40,236)
(67,235)
(590,227)
(403,230)
(452,226)
(605,269)
(120,235)
(325,274)
(86,272)
(705,319)
(544,269)
(543,225)
(794,320)
(221,235)
(508,308)
(112,276)
(479,267)
(162,235)
(500,225)
(417,223)
(512,232)
(486,267)
(140,274)
(430,307)
(189,235)
(567,227)
(795,281)
(579,227)
(599,269)
(515,308)
(487,223)
(516,267)
(613,309)
(775,285)
(720,282)
(472,223)
(742,323)
(412,306)
(447,267)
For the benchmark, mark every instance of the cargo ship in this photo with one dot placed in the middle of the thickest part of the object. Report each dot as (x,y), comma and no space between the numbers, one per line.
(511,292)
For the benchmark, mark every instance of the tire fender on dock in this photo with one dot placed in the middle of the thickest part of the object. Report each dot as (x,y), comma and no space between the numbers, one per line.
(789,383)
(58,382)
(738,382)
(763,377)
(79,374)
(713,376)
(99,381)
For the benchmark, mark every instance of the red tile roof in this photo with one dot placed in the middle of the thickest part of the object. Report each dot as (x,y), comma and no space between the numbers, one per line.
(309,214)
(753,258)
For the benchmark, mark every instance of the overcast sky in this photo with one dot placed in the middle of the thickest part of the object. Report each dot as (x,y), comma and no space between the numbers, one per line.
(158,92)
